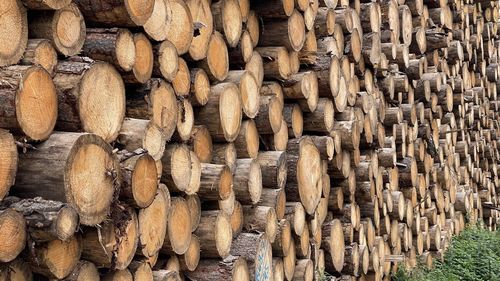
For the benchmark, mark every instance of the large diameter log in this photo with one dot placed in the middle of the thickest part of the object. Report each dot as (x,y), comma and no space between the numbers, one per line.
(140,180)
(257,250)
(232,268)
(64,27)
(114,243)
(113,45)
(153,223)
(56,259)
(45,220)
(289,33)
(40,52)
(91,98)
(9,159)
(201,13)
(79,169)
(178,236)
(28,101)
(117,13)
(215,234)
(222,113)
(13,234)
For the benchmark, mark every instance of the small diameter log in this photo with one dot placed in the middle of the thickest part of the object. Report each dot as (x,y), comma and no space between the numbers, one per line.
(247,180)
(177,169)
(216,182)
(13,234)
(40,52)
(159,105)
(28,101)
(257,250)
(45,220)
(91,97)
(15,38)
(247,141)
(276,62)
(215,234)
(178,227)
(140,180)
(144,61)
(113,45)
(117,13)
(200,86)
(18,269)
(333,244)
(260,219)
(56,259)
(190,259)
(268,120)
(222,113)
(84,270)
(228,20)
(156,25)
(114,243)
(305,170)
(141,270)
(9,159)
(153,222)
(185,121)
(249,90)
(225,154)
(232,268)
(65,28)
(166,60)
(304,270)
(274,168)
(216,64)
(289,33)
(202,15)
(142,134)
(82,166)
(322,119)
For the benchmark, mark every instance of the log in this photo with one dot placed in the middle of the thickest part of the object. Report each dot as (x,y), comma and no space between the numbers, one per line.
(289,33)
(119,236)
(202,14)
(178,237)
(117,13)
(256,249)
(65,28)
(225,103)
(56,259)
(216,64)
(216,182)
(153,223)
(228,20)
(40,52)
(137,134)
(115,275)
(71,157)
(45,220)
(13,228)
(274,168)
(215,234)
(18,93)
(113,45)
(233,268)
(247,180)
(139,183)
(17,36)
(16,270)
(159,105)
(9,158)
(85,106)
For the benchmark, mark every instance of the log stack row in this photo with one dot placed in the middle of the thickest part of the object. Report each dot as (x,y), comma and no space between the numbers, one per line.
(243,140)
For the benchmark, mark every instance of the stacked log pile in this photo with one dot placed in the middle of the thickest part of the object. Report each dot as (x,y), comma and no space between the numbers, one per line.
(243,140)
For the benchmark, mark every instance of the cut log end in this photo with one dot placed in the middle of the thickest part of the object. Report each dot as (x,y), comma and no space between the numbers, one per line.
(125,50)
(14,39)
(143,65)
(67,223)
(69,30)
(36,94)
(230,111)
(223,234)
(217,57)
(139,11)
(144,181)
(12,234)
(91,159)
(101,102)
(179,226)
(153,223)
(9,159)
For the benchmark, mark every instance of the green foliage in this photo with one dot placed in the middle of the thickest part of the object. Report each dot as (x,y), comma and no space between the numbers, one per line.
(474,255)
